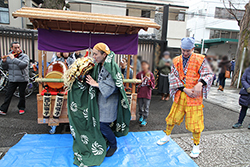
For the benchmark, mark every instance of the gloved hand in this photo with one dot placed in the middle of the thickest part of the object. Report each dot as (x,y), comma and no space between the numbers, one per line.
(248,90)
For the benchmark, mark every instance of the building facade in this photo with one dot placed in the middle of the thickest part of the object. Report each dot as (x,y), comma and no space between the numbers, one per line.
(9,6)
(213,27)
(152,9)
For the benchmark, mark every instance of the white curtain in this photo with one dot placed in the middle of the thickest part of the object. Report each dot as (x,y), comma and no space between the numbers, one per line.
(4,15)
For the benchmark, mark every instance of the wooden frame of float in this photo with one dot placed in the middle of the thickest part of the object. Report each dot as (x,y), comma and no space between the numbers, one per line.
(42,55)
(88,22)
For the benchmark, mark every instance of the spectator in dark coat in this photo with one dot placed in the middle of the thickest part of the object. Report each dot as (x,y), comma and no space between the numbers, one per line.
(224,65)
(164,67)
(244,100)
(17,64)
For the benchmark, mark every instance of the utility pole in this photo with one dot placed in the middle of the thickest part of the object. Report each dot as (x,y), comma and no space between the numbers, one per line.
(164,28)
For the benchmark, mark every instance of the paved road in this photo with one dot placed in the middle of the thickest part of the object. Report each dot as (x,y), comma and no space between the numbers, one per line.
(221,145)
(14,126)
(220,148)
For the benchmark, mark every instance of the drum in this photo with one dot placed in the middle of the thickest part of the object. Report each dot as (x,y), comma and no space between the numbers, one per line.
(56,70)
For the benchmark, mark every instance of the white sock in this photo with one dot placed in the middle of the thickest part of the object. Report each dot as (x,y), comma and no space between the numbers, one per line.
(166,138)
(196,148)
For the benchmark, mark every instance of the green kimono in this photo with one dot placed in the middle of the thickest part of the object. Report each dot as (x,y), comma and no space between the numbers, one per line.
(89,145)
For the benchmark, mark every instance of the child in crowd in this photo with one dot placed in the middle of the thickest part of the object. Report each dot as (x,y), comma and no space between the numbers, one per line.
(145,92)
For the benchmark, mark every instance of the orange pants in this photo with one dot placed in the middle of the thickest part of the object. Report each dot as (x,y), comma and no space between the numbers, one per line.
(194,119)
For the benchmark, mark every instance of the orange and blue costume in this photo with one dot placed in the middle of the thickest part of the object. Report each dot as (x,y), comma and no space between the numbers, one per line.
(196,70)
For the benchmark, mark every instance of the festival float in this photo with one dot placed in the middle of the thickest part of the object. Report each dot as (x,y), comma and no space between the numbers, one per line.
(69,31)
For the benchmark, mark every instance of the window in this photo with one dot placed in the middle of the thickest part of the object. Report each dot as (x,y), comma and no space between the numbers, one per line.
(176,15)
(222,13)
(127,12)
(145,13)
(4,12)
(223,34)
(181,17)
(214,34)
(235,35)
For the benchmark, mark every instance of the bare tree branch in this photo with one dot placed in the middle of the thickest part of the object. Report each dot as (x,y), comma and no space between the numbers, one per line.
(231,4)
(230,10)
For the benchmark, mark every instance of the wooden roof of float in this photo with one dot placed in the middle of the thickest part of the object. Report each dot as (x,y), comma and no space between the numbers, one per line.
(84,21)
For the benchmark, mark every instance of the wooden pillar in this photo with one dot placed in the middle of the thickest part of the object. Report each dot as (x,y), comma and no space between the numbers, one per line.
(134,72)
(133,94)
(44,63)
(40,58)
(133,106)
(128,70)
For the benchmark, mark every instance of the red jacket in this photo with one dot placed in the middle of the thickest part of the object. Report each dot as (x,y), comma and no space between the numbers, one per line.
(147,85)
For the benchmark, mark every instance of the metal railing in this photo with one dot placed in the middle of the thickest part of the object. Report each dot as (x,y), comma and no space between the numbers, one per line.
(151,50)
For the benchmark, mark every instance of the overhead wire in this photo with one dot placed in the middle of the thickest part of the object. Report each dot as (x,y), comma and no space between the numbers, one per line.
(187,13)
(139,8)
(211,23)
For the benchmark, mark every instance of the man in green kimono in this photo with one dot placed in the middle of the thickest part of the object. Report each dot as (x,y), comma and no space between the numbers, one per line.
(107,96)
(98,108)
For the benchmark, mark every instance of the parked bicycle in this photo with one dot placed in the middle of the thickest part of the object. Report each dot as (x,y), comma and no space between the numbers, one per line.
(3,79)
(31,86)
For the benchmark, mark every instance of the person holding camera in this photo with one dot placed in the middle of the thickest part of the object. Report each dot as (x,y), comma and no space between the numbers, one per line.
(164,69)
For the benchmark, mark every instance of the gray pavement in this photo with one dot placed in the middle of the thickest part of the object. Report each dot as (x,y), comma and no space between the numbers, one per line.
(227,147)
(221,145)
(224,148)
(227,99)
